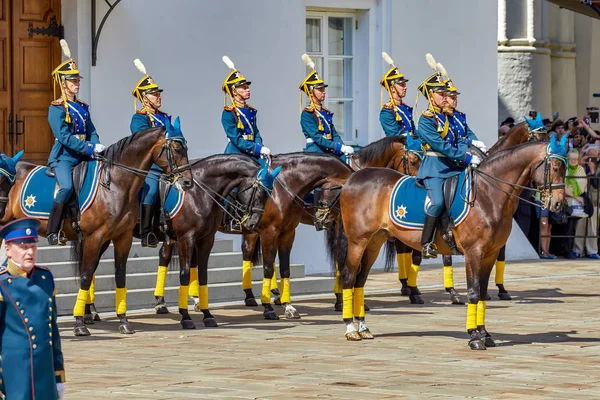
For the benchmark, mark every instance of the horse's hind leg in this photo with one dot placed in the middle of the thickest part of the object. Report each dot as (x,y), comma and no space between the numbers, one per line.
(484,277)
(500,265)
(249,244)
(90,255)
(349,273)
(449,281)
(203,249)
(269,242)
(186,247)
(286,241)
(122,248)
(413,272)
(164,259)
(404,259)
(91,314)
(367,261)
(478,274)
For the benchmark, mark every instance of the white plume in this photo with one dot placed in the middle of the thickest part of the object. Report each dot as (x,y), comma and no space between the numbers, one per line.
(387,58)
(138,64)
(228,62)
(308,61)
(65,48)
(442,70)
(431,61)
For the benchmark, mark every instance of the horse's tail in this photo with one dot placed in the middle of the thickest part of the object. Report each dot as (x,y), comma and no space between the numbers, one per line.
(390,255)
(339,248)
(257,258)
(77,255)
(330,241)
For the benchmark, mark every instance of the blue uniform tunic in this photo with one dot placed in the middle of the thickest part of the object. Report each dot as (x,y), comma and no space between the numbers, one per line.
(244,139)
(446,155)
(74,142)
(140,121)
(391,127)
(320,138)
(31,362)
(458,125)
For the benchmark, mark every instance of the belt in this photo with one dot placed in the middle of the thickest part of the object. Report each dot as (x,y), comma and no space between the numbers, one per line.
(434,154)
(80,137)
(309,140)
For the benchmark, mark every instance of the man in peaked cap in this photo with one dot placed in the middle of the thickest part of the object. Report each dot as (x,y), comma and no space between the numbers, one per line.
(76,140)
(31,362)
(396,118)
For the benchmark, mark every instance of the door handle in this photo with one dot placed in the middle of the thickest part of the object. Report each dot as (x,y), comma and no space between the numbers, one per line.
(17,131)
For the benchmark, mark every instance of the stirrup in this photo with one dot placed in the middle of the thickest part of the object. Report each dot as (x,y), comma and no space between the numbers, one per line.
(149,240)
(233,226)
(56,239)
(429,250)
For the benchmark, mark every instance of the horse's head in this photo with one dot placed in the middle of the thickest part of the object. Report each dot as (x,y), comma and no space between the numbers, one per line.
(384,153)
(254,197)
(413,156)
(550,178)
(8,170)
(172,156)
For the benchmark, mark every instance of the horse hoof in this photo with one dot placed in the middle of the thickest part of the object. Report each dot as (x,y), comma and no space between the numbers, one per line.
(250,302)
(416,299)
(488,341)
(456,300)
(210,323)
(405,291)
(292,314)
(270,315)
(96,317)
(476,344)
(188,324)
(366,334)
(338,307)
(504,296)
(367,308)
(162,309)
(126,329)
(88,319)
(81,331)
(353,336)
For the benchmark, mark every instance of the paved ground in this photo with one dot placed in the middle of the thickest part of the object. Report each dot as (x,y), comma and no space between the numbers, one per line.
(548,336)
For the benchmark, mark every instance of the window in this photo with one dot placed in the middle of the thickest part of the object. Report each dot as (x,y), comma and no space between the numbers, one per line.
(330,43)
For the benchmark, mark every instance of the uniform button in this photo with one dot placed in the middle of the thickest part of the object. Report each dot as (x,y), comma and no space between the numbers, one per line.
(49,325)
(43,276)
(50,299)
(50,309)
(10,281)
(31,329)
(33,337)
(18,304)
(22,312)
(50,333)
(51,343)
(26,319)
(35,346)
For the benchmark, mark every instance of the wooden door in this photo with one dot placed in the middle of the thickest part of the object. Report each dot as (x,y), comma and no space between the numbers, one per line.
(5,74)
(33,59)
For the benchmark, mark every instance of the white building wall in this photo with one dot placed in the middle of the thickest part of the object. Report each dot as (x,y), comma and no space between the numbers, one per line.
(181,42)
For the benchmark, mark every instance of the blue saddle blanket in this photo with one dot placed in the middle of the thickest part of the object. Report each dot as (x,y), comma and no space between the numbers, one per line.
(174,202)
(407,202)
(37,194)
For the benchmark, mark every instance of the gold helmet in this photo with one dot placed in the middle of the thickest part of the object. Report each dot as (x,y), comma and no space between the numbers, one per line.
(234,79)
(66,70)
(145,85)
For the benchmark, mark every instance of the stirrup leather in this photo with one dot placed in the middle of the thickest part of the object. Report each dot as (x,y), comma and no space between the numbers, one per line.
(430,250)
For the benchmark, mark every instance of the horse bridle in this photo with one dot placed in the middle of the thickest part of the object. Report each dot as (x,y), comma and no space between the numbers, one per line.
(174,168)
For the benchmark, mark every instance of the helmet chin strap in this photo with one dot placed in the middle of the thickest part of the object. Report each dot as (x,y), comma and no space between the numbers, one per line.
(154,108)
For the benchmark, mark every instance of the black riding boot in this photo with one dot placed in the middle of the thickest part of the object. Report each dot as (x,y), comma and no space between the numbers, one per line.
(427,239)
(446,232)
(231,223)
(53,233)
(148,237)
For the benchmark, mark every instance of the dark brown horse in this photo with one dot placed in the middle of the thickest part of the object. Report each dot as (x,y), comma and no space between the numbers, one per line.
(115,210)
(479,237)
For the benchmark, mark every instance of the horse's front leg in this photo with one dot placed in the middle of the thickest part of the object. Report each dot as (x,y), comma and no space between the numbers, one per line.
(202,255)
(484,277)
(249,249)
(404,260)
(369,257)
(122,247)
(269,241)
(476,305)
(186,246)
(164,259)
(286,241)
(449,281)
(90,255)
(500,265)
(413,272)
(91,314)
(349,273)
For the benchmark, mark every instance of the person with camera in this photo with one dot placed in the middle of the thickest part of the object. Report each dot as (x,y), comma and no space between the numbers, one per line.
(589,226)
(575,191)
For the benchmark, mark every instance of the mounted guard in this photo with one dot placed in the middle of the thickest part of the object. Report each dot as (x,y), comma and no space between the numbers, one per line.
(446,154)
(396,118)
(76,140)
(150,116)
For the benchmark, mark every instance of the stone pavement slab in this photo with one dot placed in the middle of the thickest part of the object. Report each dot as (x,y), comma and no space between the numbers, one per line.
(548,346)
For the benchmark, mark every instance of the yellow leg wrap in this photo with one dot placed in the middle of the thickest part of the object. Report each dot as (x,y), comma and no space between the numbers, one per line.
(448,277)
(274,278)
(203,297)
(121,301)
(471,316)
(500,265)
(92,291)
(194,282)
(161,277)
(247,274)
(412,274)
(285,290)
(348,303)
(407,262)
(359,302)
(480,313)
(337,286)
(401,259)
(79,308)
(265,297)
(184,292)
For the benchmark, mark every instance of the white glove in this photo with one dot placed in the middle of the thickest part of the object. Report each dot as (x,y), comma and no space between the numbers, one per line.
(99,148)
(347,149)
(265,151)
(480,145)
(475,161)
(60,388)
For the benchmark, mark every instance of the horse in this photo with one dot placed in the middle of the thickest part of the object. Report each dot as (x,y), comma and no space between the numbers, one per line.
(411,259)
(114,211)
(196,223)
(482,233)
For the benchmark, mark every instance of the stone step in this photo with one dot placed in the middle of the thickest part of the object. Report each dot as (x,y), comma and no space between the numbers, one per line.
(148,280)
(49,254)
(137,265)
(219,292)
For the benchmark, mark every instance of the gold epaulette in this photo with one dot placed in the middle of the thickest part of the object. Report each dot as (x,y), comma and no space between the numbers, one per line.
(427,113)
(388,105)
(309,109)
(57,102)
(144,112)
(229,108)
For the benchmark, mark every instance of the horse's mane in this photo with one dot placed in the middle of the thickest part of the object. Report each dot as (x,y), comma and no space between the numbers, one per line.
(223,157)
(507,135)
(114,152)
(376,148)
(503,154)
(304,154)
